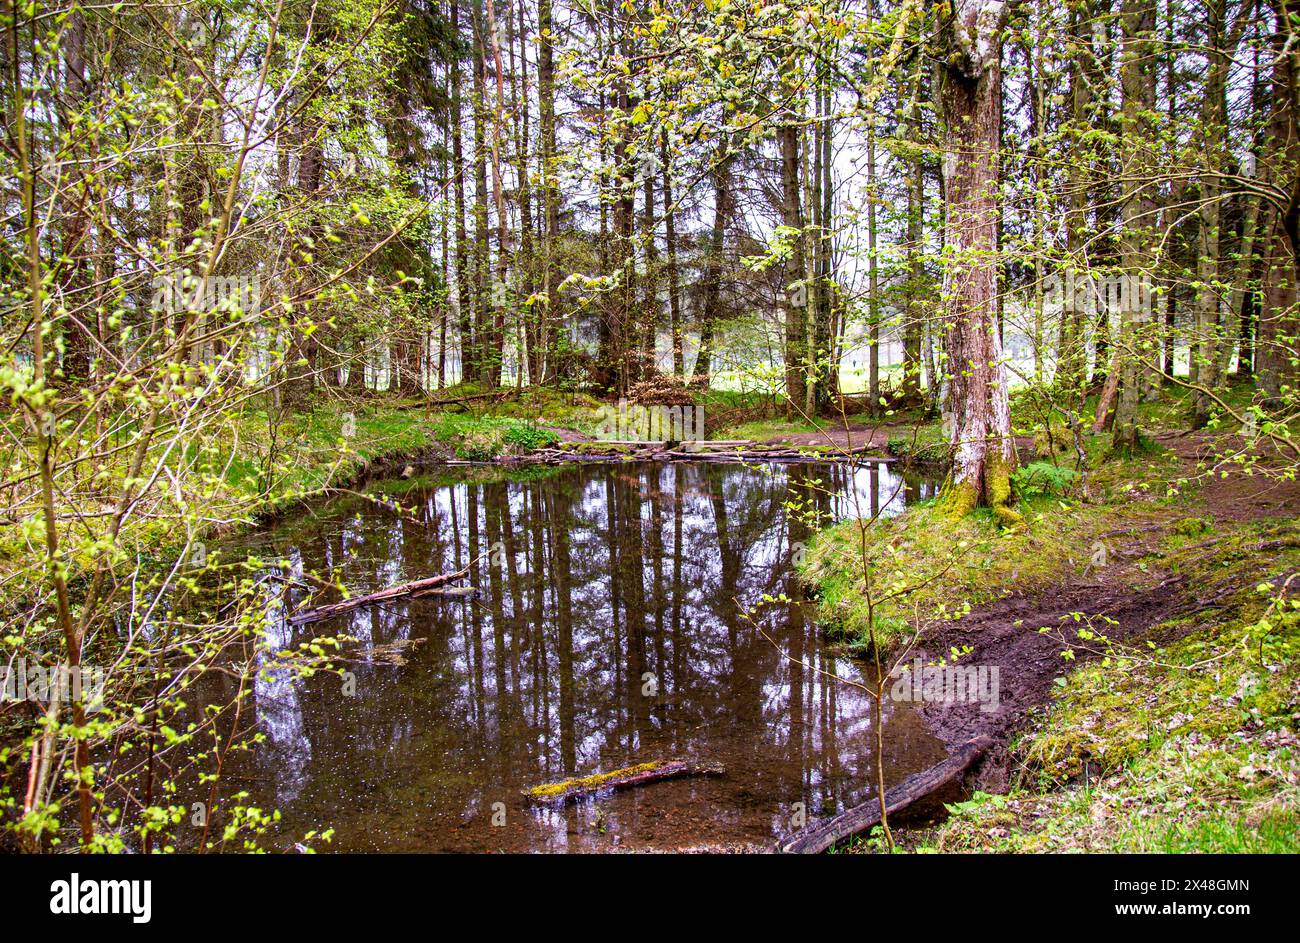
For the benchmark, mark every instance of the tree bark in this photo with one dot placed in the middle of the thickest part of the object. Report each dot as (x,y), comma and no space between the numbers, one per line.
(723,200)
(1137,214)
(670,247)
(550,191)
(978,407)
(482,291)
(464,324)
(796,292)
(500,289)
(1209,306)
(1277,326)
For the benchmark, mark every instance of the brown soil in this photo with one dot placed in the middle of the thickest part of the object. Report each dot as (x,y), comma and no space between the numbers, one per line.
(570,435)
(1228,493)
(1006,634)
(875,437)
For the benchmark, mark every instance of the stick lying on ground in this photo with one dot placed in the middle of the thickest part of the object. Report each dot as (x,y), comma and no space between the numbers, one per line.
(570,790)
(860,818)
(416,588)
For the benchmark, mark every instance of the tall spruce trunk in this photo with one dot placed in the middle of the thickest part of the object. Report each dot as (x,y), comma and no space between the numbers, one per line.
(1277,327)
(500,291)
(1209,305)
(796,292)
(1136,346)
(723,202)
(481,328)
(1072,347)
(550,191)
(670,248)
(464,324)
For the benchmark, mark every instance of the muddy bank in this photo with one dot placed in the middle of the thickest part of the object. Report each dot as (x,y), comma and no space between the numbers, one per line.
(403,463)
(1006,635)
(1234,496)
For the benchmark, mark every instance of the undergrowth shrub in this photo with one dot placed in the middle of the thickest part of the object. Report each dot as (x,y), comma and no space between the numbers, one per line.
(1044,478)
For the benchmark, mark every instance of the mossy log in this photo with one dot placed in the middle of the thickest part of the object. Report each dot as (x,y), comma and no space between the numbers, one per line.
(860,818)
(570,790)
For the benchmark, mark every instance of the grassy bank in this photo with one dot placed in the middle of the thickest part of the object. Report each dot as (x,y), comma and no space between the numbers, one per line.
(1179,740)
(924,565)
(282,455)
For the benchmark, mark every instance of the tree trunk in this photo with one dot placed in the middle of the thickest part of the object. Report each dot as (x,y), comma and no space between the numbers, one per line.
(723,198)
(1277,326)
(650,331)
(550,191)
(979,412)
(1205,357)
(74,281)
(500,290)
(1137,208)
(796,292)
(913,314)
(670,235)
(532,315)
(464,324)
(481,328)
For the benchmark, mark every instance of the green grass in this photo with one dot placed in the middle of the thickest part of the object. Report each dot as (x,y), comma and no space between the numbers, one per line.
(282,455)
(544,406)
(298,452)
(482,439)
(768,430)
(924,564)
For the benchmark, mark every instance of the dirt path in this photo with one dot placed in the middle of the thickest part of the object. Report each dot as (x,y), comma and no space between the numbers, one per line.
(856,436)
(1005,633)
(874,437)
(1236,497)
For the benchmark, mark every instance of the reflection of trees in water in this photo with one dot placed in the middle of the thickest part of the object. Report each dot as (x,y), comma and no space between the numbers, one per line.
(287,749)
(587,581)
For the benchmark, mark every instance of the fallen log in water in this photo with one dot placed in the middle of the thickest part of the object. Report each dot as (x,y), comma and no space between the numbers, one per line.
(570,790)
(716,451)
(415,588)
(863,817)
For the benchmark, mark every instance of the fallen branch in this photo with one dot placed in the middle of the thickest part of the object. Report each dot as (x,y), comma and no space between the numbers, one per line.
(415,588)
(570,790)
(863,817)
(446,592)
(504,393)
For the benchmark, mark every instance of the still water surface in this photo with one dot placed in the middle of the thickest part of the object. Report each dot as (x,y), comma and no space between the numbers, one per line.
(616,619)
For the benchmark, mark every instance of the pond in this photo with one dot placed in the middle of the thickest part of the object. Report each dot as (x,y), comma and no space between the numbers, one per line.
(617,617)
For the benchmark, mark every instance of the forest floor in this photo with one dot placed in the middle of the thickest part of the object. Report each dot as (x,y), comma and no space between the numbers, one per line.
(1145,643)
